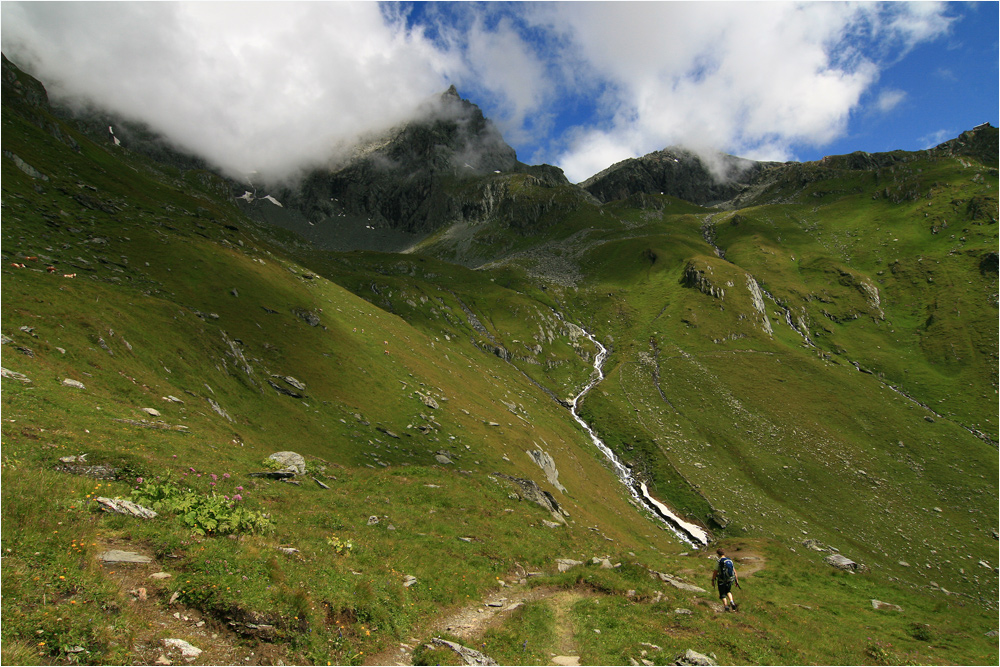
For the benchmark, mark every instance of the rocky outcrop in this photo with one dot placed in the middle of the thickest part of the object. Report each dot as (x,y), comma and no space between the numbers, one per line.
(529,490)
(548,466)
(699,276)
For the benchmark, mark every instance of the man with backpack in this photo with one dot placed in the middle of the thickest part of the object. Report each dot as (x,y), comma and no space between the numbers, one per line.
(725,575)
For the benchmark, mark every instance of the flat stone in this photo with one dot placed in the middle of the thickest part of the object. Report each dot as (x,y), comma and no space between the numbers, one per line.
(160,575)
(116,556)
(76,384)
(188,651)
(152,412)
(566,660)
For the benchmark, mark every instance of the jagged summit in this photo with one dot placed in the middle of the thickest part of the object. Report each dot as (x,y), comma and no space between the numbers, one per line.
(402,183)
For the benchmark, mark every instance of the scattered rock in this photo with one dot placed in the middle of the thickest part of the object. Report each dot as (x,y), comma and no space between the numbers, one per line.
(442,459)
(95,472)
(162,660)
(117,556)
(409,580)
(816,545)
(14,375)
(683,612)
(690,657)
(126,507)
(428,401)
(372,520)
(320,484)
(281,390)
(290,461)
(152,412)
(842,563)
(188,652)
(676,582)
(160,575)
(272,474)
(885,606)
(564,564)
(82,458)
(288,551)
(306,316)
(301,386)
(551,524)
(76,384)
(468,655)
(218,409)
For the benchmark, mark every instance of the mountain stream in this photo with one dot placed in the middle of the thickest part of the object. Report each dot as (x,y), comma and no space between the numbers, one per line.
(688,532)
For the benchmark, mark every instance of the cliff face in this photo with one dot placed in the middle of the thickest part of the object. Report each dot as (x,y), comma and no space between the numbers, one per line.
(677,172)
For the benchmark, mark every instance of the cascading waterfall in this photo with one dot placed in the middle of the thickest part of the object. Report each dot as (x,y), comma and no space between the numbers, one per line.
(688,532)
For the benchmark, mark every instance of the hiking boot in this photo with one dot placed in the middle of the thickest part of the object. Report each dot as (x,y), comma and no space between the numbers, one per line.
(735,607)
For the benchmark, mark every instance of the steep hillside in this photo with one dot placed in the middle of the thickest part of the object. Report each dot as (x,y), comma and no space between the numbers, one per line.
(809,371)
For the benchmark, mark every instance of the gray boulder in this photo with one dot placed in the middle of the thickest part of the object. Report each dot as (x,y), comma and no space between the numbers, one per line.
(126,507)
(690,657)
(842,563)
(290,461)
(468,655)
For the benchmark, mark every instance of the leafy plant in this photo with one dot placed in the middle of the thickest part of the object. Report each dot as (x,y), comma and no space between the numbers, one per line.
(204,514)
(342,547)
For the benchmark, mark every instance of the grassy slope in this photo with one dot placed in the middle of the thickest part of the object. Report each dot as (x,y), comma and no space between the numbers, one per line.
(152,248)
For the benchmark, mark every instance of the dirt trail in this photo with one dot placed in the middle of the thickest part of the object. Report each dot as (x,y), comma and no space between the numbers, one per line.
(471,622)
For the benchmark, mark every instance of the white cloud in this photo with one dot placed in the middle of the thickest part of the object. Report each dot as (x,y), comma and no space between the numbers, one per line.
(265,86)
(936,138)
(889,100)
(750,78)
(275,86)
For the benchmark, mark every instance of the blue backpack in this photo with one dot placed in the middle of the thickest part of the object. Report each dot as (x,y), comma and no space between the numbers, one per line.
(727,573)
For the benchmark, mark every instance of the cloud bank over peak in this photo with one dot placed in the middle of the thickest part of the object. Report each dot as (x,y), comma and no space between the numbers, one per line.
(268,87)
(279,87)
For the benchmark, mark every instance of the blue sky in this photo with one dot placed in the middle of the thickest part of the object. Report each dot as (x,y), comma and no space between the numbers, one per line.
(277,87)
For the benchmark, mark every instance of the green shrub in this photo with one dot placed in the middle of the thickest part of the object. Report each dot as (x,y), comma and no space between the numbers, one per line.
(204,514)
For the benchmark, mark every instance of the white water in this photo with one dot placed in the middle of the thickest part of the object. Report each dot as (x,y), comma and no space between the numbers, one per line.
(688,532)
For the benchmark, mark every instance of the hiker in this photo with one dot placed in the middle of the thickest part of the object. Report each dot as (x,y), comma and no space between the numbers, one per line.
(725,575)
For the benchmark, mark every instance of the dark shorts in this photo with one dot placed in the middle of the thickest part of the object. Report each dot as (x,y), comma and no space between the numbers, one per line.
(724,589)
